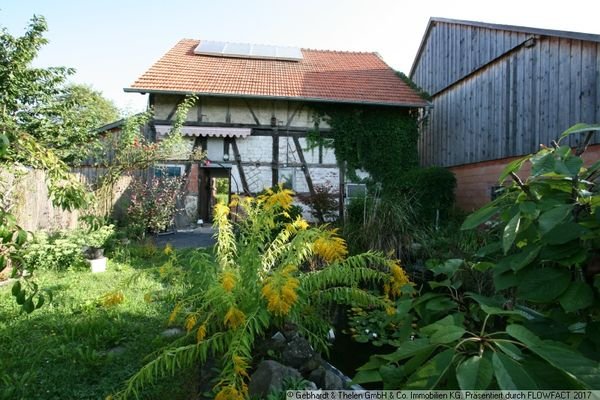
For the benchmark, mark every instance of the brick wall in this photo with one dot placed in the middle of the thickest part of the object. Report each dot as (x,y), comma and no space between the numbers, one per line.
(474,181)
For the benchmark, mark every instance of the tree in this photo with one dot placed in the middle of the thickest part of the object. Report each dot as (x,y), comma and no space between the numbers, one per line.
(25,96)
(38,101)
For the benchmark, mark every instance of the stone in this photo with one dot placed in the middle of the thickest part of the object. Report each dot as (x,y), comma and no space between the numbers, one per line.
(326,379)
(311,364)
(331,381)
(172,332)
(278,337)
(297,352)
(269,376)
(116,351)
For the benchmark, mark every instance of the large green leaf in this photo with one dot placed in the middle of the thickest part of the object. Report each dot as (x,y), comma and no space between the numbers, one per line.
(480,216)
(510,375)
(448,268)
(474,373)
(510,232)
(509,349)
(513,166)
(392,376)
(564,233)
(430,375)
(579,368)
(447,334)
(408,349)
(579,295)
(553,217)
(542,285)
(367,376)
(542,163)
(580,128)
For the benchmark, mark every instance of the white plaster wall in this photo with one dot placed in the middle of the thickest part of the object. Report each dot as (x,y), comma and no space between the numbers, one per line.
(329,156)
(214,149)
(256,148)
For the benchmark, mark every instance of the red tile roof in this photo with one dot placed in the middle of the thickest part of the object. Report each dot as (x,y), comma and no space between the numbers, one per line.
(333,76)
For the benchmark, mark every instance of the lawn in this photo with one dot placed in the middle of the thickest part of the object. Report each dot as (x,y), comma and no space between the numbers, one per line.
(85,343)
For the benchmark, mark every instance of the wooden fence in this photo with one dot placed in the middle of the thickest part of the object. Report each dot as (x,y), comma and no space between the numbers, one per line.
(25,194)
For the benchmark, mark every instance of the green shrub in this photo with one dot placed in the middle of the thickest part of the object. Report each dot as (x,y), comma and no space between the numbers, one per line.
(431,189)
(537,326)
(386,224)
(63,250)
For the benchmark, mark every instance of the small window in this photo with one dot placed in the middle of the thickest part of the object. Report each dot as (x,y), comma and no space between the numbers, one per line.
(168,170)
(356,190)
(287,177)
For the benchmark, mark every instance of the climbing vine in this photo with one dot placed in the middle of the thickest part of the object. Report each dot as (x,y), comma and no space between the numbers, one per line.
(380,141)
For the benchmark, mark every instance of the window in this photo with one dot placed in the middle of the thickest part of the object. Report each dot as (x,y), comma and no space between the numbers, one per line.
(168,170)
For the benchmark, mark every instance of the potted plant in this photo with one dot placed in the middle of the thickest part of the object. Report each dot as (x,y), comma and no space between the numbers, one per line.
(94,242)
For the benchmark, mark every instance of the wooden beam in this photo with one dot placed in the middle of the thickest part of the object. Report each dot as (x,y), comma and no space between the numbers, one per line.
(174,110)
(238,160)
(256,129)
(306,171)
(252,112)
(199,110)
(291,118)
(275,160)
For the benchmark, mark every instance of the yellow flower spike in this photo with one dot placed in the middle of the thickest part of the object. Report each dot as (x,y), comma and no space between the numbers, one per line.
(168,249)
(228,281)
(240,366)
(397,280)
(221,211)
(229,393)
(174,313)
(235,201)
(234,318)
(330,247)
(112,299)
(201,333)
(190,322)
(302,224)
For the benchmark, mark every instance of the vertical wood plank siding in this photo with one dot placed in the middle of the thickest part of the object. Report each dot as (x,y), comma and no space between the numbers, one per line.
(496,95)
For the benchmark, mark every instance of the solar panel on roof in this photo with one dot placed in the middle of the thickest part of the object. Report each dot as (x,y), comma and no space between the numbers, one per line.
(237,49)
(247,50)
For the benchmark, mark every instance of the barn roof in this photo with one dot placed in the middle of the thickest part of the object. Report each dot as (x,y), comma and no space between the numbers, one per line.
(521,29)
(322,76)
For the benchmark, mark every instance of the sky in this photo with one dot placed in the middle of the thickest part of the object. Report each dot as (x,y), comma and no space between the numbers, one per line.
(112,42)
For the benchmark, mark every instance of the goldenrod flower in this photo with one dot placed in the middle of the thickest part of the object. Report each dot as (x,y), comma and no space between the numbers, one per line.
(174,313)
(112,299)
(201,333)
(234,318)
(280,291)
(228,281)
(190,322)
(301,224)
(240,365)
(229,393)
(330,247)
(168,249)
(397,280)
(282,197)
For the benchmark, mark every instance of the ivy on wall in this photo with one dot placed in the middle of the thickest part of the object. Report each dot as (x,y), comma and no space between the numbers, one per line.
(380,141)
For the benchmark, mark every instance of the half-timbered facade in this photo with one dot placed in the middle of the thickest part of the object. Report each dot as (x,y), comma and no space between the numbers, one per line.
(498,92)
(254,113)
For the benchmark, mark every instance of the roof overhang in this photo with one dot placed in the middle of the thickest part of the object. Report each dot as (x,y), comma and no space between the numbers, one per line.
(204,131)
(425,103)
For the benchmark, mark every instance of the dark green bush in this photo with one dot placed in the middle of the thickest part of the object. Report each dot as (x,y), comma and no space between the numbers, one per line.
(431,189)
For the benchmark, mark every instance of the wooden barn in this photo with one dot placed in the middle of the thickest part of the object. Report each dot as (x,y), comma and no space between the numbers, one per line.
(499,92)
(255,111)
